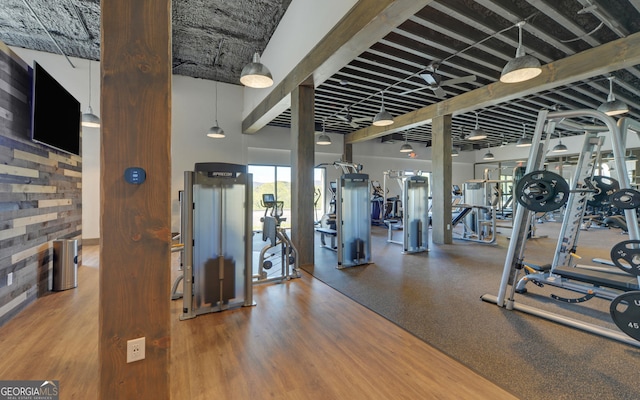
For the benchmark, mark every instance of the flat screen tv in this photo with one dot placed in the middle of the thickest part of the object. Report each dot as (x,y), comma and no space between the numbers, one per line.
(55,113)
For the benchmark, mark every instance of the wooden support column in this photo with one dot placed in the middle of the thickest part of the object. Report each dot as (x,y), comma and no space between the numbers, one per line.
(302,163)
(441,180)
(135,234)
(347,152)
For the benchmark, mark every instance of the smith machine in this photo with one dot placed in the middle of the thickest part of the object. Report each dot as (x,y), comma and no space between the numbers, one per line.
(542,191)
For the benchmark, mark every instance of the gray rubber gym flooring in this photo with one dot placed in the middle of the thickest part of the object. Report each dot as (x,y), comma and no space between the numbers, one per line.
(436,296)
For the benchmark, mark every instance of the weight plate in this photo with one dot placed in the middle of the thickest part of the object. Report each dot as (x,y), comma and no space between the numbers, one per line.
(625,199)
(626,256)
(625,312)
(604,187)
(542,191)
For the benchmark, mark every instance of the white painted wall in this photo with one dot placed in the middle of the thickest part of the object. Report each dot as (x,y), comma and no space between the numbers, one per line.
(193,113)
(303,25)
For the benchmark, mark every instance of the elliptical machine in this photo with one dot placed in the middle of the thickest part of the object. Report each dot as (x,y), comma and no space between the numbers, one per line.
(277,237)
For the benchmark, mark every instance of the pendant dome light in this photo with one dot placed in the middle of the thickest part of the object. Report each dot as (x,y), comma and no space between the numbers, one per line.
(323,139)
(382,118)
(613,106)
(560,147)
(488,155)
(523,67)
(524,141)
(255,74)
(215,131)
(89,119)
(406,147)
(477,133)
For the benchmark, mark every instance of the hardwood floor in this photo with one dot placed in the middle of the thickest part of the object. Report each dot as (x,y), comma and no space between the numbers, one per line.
(303,340)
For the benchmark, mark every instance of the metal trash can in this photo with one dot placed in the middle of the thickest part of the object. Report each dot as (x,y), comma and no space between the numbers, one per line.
(65,264)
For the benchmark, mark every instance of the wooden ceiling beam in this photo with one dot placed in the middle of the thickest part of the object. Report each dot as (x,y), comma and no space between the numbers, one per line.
(366,23)
(621,53)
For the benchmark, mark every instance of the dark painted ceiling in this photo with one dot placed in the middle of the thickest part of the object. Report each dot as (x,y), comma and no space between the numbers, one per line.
(466,38)
(72,27)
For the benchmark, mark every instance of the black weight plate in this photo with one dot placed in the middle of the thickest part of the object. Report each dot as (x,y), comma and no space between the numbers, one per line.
(626,256)
(625,312)
(625,199)
(604,187)
(542,191)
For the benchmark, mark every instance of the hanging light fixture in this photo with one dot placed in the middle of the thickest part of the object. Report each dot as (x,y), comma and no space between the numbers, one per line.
(89,119)
(215,131)
(477,133)
(523,67)
(255,74)
(406,147)
(613,106)
(382,118)
(323,139)
(560,147)
(524,141)
(631,156)
(488,155)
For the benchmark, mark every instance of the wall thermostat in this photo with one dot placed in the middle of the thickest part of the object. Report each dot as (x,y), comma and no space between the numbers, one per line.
(135,175)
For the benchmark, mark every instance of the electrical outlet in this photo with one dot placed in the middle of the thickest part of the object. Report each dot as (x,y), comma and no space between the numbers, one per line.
(10,279)
(135,350)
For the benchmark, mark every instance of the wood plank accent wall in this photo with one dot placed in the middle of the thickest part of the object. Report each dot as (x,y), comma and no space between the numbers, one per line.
(135,219)
(40,194)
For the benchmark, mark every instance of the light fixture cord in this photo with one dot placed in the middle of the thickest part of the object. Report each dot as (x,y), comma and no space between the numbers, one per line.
(611,97)
(519,50)
(216,91)
(89,83)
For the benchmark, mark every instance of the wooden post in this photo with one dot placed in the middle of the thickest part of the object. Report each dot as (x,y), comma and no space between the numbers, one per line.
(441,180)
(302,163)
(135,235)
(347,152)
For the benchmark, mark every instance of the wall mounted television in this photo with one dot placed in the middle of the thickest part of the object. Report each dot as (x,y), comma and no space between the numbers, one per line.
(55,113)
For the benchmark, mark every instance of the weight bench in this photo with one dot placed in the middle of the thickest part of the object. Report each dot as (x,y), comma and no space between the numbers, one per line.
(463,213)
(332,233)
(605,285)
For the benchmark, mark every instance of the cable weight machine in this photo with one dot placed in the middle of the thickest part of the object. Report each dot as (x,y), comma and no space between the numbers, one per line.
(216,231)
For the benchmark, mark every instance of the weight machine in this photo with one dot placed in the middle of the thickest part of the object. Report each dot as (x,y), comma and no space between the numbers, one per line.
(277,237)
(478,212)
(540,190)
(415,214)
(353,221)
(392,214)
(216,232)
(353,217)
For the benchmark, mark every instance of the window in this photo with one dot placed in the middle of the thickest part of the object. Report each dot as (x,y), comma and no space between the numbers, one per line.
(277,180)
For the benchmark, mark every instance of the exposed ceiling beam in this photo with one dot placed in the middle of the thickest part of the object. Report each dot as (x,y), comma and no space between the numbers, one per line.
(366,23)
(621,53)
